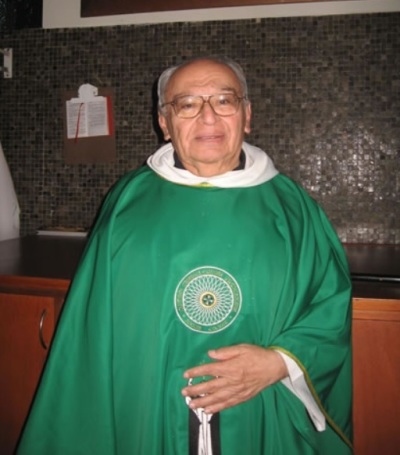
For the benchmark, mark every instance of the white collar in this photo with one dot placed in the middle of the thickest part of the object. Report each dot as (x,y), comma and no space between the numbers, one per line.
(259,168)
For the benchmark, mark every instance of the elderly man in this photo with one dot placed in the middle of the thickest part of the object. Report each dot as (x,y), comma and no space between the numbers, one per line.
(210,313)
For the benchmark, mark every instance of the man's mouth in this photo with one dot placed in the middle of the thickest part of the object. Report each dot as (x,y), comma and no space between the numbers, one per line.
(209,137)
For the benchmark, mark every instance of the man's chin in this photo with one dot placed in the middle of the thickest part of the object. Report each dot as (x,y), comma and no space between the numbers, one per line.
(209,151)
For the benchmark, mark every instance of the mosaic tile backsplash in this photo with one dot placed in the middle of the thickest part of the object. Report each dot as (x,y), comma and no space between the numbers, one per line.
(325,93)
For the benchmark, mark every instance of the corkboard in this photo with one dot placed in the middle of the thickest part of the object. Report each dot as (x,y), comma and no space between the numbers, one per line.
(89,150)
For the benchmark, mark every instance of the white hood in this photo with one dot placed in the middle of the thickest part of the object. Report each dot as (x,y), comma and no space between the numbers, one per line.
(259,168)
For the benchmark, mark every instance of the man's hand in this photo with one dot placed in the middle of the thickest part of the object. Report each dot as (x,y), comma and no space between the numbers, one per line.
(240,372)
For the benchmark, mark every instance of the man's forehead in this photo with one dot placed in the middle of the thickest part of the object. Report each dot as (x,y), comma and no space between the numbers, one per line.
(201,74)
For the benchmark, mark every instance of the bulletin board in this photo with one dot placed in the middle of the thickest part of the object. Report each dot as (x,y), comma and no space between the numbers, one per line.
(89,143)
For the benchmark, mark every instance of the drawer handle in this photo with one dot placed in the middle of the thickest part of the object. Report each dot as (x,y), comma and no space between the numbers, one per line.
(42,318)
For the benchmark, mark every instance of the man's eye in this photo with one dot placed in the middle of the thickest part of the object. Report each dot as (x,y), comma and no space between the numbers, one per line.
(225,101)
(186,106)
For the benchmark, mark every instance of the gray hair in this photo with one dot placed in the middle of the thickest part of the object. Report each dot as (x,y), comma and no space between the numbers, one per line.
(167,74)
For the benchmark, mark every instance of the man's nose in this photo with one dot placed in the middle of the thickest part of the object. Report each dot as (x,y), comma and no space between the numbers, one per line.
(207,113)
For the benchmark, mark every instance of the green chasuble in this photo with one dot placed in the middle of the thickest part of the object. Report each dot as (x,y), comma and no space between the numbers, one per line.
(171,271)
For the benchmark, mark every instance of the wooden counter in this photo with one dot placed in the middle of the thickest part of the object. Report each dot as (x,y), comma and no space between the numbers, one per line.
(375,270)
(35,273)
(44,256)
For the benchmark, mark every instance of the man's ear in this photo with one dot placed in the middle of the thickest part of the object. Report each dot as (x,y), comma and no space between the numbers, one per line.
(162,121)
(247,125)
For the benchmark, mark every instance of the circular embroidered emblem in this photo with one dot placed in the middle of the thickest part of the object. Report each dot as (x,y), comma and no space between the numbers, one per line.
(208,299)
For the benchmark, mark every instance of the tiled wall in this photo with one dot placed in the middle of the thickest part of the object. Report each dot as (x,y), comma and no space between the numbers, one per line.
(326,106)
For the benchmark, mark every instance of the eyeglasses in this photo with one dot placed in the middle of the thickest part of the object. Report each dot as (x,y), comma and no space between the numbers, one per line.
(223,104)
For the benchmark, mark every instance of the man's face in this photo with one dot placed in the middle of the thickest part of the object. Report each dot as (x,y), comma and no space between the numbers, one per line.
(206,144)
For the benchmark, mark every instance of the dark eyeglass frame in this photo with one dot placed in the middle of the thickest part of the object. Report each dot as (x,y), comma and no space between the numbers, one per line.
(205,99)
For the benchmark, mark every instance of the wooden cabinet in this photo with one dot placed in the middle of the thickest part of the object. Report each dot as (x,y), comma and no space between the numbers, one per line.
(35,274)
(28,317)
(376,374)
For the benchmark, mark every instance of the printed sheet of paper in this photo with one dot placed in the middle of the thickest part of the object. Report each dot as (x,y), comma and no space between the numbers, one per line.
(87,119)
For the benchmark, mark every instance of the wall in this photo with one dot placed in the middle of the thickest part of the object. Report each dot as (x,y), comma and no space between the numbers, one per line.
(326,103)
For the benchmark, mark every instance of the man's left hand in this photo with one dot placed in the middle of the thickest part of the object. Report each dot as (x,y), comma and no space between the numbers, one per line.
(240,372)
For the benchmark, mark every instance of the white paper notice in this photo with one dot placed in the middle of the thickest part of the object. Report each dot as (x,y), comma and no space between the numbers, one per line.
(87,118)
